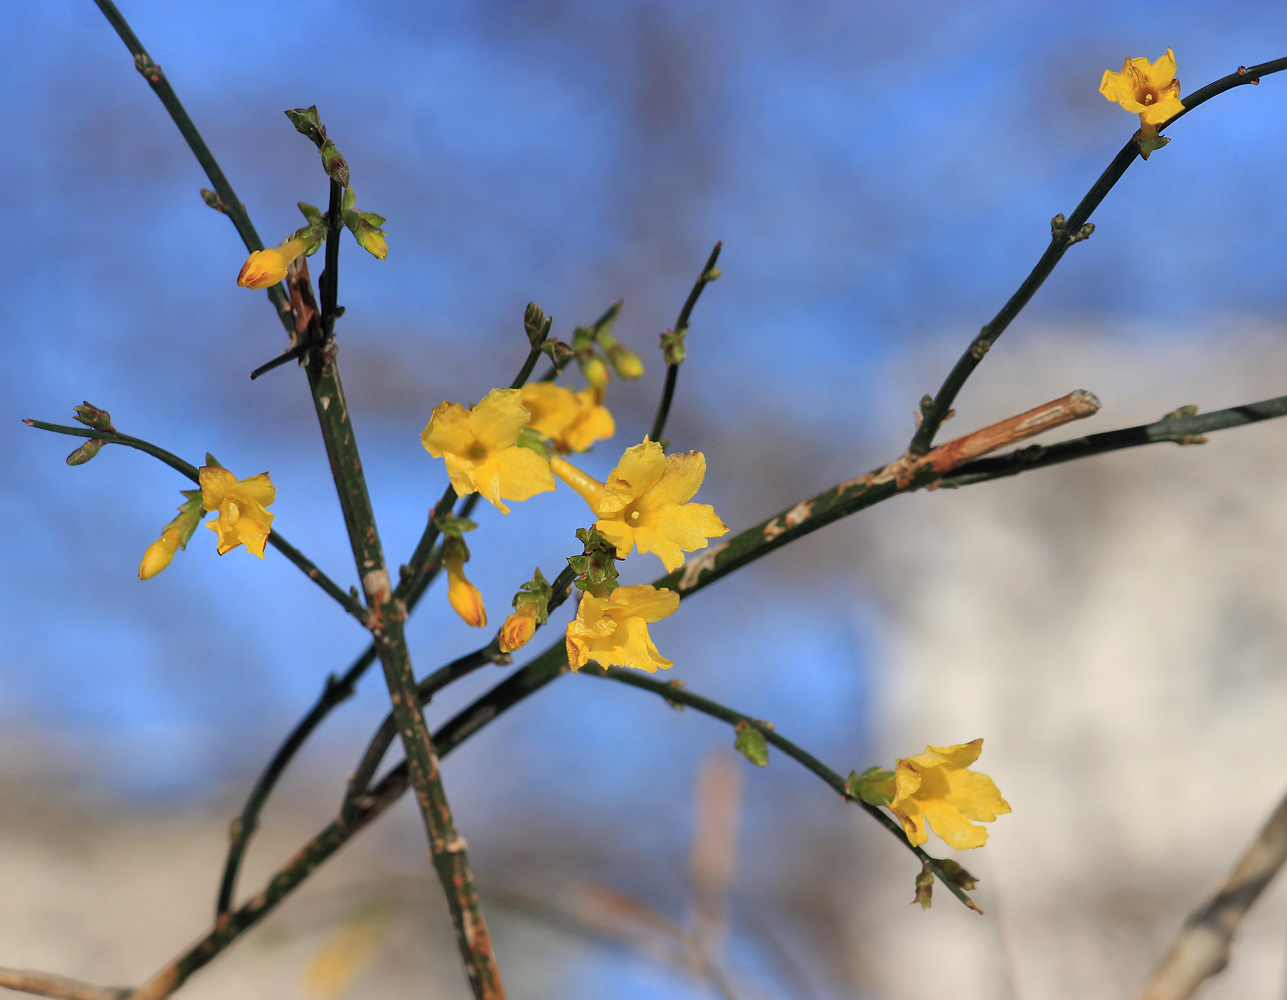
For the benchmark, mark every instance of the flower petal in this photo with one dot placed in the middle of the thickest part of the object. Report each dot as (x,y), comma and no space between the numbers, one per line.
(954,828)
(638,650)
(215,484)
(680,480)
(497,420)
(523,473)
(551,407)
(647,602)
(448,431)
(258,488)
(639,469)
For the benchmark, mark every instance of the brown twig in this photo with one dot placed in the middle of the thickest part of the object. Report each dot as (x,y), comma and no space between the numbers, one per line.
(60,987)
(1202,947)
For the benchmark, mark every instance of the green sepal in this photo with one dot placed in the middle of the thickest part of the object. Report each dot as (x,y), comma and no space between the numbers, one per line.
(924,888)
(306,121)
(875,786)
(535,324)
(454,547)
(529,438)
(537,593)
(558,352)
(750,743)
(957,875)
(91,416)
(190,515)
(313,235)
(364,233)
(372,219)
(1150,143)
(596,567)
(311,212)
(212,461)
(454,527)
(213,200)
(673,350)
(349,199)
(86,451)
(337,168)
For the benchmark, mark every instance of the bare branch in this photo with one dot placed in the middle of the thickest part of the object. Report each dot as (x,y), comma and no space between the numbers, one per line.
(48,985)
(1202,947)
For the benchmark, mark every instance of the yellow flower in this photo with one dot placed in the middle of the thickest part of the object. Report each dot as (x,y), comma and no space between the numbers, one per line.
(613,630)
(240,503)
(267,267)
(570,421)
(645,504)
(936,787)
(159,554)
(373,242)
(478,447)
(518,629)
(462,594)
(1148,89)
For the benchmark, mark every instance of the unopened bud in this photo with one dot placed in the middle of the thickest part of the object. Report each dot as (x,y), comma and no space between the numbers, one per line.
(518,629)
(463,595)
(85,452)
(159,554)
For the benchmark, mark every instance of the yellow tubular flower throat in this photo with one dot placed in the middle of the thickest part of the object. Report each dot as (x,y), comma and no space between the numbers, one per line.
(159,554)
(644,503)
(935,787)
(478,448)
(268,267)
(240,503)
(1147,89)
(463,595)
(613,630)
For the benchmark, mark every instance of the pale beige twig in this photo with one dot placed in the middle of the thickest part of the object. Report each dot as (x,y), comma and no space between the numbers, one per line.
(60,987)
(1202,947)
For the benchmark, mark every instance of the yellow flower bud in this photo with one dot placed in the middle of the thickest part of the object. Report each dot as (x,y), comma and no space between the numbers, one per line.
(463,595)
(373,242)
(159,554)
(628,364)
(268,267)
(596,373)
(518,629)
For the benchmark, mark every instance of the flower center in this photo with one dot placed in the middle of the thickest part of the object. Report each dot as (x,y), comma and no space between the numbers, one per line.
(477,451)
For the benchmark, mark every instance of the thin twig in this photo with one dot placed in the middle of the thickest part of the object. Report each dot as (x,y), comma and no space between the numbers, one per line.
(360,780)
(60,987)
(681,327)
(1062,237)
(1203,946)
(677,693)
(1174,428)
(232,206)
(275,539)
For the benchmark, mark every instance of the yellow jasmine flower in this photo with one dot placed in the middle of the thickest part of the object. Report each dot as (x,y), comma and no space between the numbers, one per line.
(518,629)
(613,630)
(159,554)
(644,503)
(240,503)
(478,447)
(1148,89)
(935,787)
(462,594)
(268,267)
(570,421)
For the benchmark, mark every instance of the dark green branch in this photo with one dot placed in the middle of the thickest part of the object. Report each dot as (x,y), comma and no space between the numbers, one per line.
(1062,237)
(232,205)
(275,538)
(681,327)
(675,692)
(244,826)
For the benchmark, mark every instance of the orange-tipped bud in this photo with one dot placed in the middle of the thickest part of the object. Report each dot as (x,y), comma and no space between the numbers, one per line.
(268,267)
(159,554)
(518,629)
(463,595)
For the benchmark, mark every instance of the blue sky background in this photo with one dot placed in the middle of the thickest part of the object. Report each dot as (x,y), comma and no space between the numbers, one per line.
(882,178)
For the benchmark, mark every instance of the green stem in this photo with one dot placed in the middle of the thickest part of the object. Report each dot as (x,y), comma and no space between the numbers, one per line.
(681,326)
(675,693)
(275,538)
(933,416)
(233,207)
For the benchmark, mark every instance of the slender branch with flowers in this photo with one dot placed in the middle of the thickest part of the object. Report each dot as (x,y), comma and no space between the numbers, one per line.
(521,440)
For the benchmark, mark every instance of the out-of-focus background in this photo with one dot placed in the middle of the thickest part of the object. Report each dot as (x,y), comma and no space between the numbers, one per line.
(882,178)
